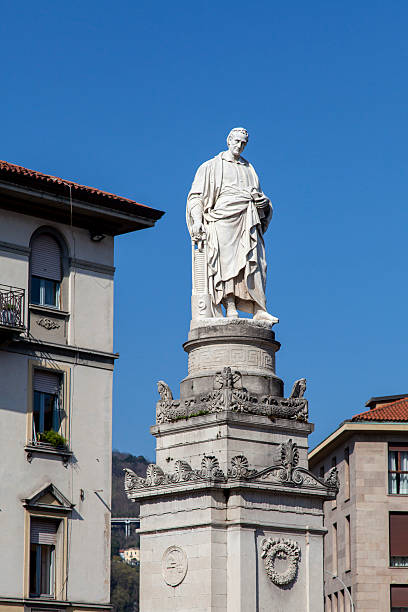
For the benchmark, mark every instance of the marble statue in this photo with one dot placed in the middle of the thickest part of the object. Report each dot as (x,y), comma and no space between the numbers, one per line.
(227,215)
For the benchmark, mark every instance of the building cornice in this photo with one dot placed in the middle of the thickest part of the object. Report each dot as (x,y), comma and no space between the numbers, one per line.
(40,603)
(83,264)
(109,217)
(61,352)
(347,429)
(16,249)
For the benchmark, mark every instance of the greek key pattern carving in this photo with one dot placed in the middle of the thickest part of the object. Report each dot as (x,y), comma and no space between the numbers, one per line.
(284,550)
(206,358)
(228,394)
(285,472)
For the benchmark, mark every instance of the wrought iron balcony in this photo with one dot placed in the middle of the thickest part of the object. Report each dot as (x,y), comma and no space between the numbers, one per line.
(11,310)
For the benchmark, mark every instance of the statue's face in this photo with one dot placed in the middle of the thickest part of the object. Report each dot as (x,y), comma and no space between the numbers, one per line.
(237,143)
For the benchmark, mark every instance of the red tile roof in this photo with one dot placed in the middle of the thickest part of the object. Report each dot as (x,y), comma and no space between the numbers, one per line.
(395,411)
(40,180)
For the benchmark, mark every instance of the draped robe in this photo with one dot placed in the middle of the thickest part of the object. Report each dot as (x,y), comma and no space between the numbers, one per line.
(236,261)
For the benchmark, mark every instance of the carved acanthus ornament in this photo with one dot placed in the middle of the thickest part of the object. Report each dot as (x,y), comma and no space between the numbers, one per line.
(229,395)
(332,480)
(183,472)
(283,549)
(284,473)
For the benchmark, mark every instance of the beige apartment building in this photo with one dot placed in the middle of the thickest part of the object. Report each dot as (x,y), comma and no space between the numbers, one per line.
(366,546)
(56,366)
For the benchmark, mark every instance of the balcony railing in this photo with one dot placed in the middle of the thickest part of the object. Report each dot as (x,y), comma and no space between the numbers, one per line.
(11,307)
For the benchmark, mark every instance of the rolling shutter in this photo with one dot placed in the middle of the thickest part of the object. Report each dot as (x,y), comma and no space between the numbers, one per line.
(399,535)
(46,382)
(399,596)
(46,258)
(43,531)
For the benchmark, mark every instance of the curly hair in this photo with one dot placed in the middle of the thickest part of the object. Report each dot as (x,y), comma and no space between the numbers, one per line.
(240,130)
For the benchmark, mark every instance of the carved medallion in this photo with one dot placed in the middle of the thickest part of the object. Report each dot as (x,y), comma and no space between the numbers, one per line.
(286,553)
(174,565)
(48,323)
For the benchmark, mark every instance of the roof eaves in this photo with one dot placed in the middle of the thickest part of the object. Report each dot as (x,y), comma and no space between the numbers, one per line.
(49,183)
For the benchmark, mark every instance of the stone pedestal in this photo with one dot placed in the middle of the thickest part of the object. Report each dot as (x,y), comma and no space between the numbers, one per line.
(231,519)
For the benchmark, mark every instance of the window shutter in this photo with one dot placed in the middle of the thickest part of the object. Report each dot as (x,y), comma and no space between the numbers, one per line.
(46,382)
(399,535)
(399,596)
(46,258)
(43,531)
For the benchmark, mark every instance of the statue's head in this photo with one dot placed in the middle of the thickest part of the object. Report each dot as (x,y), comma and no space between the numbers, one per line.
(237,140)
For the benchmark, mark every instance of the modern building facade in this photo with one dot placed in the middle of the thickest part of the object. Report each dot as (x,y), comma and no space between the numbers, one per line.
(56,365)
(366,546)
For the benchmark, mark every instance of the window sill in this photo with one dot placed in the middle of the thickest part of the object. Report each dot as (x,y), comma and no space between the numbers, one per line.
(50,310)
(41,448)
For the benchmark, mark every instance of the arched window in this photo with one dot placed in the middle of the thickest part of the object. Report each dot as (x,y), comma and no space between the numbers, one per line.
(46,271)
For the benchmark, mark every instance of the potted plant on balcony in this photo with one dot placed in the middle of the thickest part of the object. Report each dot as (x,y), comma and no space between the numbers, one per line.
(9,314)
(53,438)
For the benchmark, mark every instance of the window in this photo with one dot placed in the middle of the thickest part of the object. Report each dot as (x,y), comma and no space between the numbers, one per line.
(47,409)
(334,548)
(398,469)
(347,600)
(346,473)
(46,271)
(348,543)
(399,598)
(399,539)
(334,464)
(43,539)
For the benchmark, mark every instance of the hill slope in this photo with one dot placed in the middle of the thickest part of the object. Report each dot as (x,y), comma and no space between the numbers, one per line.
(121,506)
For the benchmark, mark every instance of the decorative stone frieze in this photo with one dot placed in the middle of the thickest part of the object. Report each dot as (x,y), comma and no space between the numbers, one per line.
(229,395)
(240,468)
(286,472)
(183,472)
(206,358)
(332,479)
(48,323)
(283,549)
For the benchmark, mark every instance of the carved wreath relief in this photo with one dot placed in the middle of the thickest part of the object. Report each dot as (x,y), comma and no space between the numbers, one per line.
(288,551)
(174,565)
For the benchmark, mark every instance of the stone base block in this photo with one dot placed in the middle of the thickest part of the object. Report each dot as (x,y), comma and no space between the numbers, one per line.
(213,553)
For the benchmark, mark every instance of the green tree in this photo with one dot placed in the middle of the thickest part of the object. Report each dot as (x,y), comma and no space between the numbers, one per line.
(124,586)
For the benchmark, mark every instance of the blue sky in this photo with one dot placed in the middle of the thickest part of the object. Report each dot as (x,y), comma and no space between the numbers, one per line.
(132,97)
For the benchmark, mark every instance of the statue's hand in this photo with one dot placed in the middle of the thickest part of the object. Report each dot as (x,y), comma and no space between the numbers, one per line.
(197,229)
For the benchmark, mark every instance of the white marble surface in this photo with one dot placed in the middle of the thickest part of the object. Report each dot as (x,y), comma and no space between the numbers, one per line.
(227,215)
(221,321)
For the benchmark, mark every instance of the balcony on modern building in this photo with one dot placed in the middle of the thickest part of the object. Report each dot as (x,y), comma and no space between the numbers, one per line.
(11,312)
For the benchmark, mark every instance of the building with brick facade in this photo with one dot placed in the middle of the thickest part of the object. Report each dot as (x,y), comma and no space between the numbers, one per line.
(366,545)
